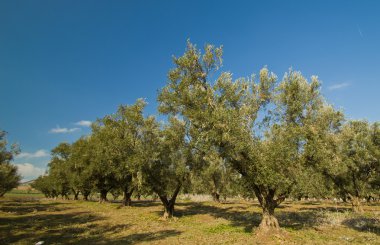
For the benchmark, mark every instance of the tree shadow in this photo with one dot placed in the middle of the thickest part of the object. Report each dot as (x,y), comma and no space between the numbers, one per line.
(247,219)
(239,218)
(363,224)
(144,237)
(146,203)
(328,209)
(45,227)
(26,206)
(298,220)
(28,223)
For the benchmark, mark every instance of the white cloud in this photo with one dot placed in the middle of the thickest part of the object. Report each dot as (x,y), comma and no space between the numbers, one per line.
(83,123)
(338,86)
(28,171)
(59,130)
(37,154)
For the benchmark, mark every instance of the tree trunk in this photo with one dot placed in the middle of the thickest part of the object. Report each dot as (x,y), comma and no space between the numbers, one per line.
(85,195)
(76,194)
(215,192)
(169,204)
(168,210)
(268,203)
(344,198)
(269,221)
(356,205)
(138,196)
(127,197)
(369,198)
(103,196)
(216,197)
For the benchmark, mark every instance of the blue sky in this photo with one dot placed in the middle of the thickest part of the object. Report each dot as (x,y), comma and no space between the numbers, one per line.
(63,62)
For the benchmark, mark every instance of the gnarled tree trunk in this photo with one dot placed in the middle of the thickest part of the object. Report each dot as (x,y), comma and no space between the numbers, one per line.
(215,196)
(215,193)
(169,204)
(85,195)
(356,204)
(127,197)
(103,196)
(268,203)
(268,221)
(76,194)
(168,210)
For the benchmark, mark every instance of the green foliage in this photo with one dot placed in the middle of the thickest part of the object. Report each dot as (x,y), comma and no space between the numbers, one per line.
(356,170)
(248,136)
(215,178)
(263,129)
(81,178)
(9,178)
(59,169)
(166,160)
(118,136)
(46,184)
(166,166)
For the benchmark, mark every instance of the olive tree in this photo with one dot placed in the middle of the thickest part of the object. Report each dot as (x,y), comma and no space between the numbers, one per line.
(9,178)
(356,170)
(214,177)
(121,136)
(102,168)
(263,129)
(45,184)
(166,160)
(59,169)
(81,179)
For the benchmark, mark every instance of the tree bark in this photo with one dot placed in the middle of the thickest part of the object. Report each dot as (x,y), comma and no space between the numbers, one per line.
(168,210)
(169,204)
(356,205)
(269,221)
(268,203)
(85,195)
(76,194)
(127,197)
(216,197)
(215,192)
(369,198)
(103,196)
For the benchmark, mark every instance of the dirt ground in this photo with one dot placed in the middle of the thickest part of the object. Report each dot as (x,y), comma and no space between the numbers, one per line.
(27,220)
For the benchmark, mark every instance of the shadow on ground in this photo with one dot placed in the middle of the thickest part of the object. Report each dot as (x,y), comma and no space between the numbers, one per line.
(25,207)
(303,218)
(144,237)
(363,224)
(30,221)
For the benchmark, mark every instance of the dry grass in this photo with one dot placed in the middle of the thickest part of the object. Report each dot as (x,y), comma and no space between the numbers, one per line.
(26,220)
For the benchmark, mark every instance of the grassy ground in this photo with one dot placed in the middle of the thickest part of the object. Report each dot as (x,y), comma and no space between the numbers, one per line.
(27,219)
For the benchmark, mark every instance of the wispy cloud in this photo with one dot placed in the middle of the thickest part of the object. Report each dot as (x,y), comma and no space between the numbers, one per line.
(59,130)
(83,123)
(338,86)
(37,154)
(28,171)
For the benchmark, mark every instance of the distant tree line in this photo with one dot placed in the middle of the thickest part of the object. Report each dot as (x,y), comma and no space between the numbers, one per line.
(254,137)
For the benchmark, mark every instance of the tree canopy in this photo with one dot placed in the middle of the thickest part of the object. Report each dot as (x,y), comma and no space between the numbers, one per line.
(259,136)
(9,178)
